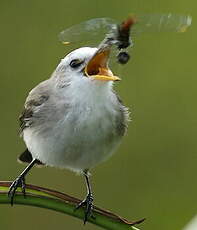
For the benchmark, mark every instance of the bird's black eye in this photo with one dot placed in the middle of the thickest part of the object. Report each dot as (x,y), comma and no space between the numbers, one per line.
(75,63)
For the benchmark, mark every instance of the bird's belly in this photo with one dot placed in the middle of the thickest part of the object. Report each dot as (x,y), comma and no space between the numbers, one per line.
(75,145)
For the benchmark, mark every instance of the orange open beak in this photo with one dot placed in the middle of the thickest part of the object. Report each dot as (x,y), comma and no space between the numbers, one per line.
(97,67)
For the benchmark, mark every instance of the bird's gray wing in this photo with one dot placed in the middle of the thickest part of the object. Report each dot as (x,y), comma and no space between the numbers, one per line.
(27,115)
(123,118)
(36,98)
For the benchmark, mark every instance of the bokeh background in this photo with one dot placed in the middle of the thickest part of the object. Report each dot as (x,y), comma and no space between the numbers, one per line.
(153,174)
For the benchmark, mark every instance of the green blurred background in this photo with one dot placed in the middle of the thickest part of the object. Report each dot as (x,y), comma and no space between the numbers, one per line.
(153,174)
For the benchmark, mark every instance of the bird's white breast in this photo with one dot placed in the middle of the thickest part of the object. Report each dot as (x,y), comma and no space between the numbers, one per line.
(82,136)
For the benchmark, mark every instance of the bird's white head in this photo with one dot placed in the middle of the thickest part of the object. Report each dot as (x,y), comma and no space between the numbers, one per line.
(85,65)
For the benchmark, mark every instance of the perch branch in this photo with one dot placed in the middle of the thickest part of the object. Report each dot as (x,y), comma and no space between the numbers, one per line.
(60,202)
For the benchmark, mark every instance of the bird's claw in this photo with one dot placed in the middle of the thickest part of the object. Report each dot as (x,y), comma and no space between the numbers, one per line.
(19,182)
(88,204)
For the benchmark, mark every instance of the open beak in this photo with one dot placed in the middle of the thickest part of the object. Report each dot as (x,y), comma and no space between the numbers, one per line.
(97,67)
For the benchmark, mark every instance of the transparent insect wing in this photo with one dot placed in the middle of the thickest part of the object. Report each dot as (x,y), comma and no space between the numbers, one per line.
(90,32)
(161,23)
(93,31)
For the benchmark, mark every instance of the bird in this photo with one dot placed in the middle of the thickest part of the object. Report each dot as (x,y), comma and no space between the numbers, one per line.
(73,120)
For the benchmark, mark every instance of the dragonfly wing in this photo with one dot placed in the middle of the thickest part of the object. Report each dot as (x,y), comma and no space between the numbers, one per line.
(93,30)
(161,23)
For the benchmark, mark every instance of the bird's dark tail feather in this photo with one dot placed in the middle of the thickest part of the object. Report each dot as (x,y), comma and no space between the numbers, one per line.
(26,157)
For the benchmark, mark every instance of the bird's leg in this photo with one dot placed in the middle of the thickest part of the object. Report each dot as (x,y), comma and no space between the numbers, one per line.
(20,182)
(88,201)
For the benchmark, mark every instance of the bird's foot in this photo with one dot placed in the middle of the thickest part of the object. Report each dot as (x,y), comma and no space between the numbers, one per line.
(88,204)
(19,182)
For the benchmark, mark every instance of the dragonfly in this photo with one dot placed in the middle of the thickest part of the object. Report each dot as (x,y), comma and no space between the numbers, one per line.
(95,31)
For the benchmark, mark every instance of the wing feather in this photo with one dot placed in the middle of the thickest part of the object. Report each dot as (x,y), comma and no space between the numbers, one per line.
(37,97)
(26,117)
